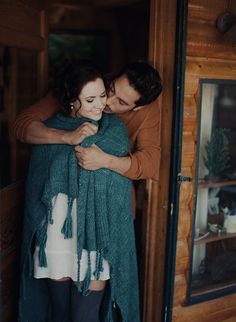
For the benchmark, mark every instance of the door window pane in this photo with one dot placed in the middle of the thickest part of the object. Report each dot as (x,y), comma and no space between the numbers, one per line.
(213,266)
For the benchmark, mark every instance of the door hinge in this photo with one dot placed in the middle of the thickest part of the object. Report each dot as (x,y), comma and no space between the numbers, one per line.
(181,178)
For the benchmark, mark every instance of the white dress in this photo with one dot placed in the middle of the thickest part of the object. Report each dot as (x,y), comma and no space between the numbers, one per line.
(62,253)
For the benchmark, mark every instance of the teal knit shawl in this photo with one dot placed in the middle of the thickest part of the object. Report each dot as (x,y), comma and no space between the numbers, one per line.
(104,220)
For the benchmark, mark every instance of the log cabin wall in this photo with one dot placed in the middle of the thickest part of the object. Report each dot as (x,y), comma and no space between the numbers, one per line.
(23,66)
(207,56)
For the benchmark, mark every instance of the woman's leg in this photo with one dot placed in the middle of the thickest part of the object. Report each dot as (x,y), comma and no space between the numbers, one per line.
(60,294)
(86,308)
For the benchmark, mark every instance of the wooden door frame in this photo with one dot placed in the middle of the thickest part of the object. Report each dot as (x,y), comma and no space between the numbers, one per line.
(162,55)
(23,26)
(176,177)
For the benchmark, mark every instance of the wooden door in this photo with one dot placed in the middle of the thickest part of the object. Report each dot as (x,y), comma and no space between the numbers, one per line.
(162,56)
(23,73)
(208,56)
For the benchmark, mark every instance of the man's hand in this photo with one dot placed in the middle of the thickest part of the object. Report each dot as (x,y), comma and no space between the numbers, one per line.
(92,158)
(77,136)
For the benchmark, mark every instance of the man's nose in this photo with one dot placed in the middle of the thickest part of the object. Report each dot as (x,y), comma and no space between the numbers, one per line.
(111,99)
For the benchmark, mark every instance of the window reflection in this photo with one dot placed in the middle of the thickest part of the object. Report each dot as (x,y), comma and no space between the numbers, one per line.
(214,237)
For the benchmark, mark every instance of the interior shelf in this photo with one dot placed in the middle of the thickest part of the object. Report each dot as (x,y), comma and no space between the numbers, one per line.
(218,287)
(211,237)
(215,184)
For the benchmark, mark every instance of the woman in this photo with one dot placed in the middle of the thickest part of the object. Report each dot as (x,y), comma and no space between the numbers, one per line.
(78,230)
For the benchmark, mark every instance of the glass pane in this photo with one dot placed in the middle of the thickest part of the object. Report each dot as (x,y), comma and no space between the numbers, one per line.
(66,46)
(214,241)
(18,89)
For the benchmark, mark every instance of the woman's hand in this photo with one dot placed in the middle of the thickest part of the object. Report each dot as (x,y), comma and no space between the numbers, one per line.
(77,136)
(92,158)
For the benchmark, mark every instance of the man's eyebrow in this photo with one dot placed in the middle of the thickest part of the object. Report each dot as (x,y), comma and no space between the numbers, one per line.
(120,99)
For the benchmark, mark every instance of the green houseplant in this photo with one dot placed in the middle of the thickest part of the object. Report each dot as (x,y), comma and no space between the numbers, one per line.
(217,153)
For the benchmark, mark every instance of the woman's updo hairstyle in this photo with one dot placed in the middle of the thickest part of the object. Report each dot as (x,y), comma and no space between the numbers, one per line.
(70,80)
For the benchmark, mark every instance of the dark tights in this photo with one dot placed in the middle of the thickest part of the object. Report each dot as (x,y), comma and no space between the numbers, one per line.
(68,305)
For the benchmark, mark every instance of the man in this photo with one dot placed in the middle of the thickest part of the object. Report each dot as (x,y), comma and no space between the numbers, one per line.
(130,95)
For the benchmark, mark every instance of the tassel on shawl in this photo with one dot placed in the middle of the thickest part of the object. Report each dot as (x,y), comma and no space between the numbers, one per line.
(50,213)
(41,242)
(78,272)
(99,264)
(41,237)
(87,279)
(99,268)
(67,226)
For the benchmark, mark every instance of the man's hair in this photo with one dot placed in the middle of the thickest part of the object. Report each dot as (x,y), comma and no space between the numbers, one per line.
(71,78)
(143,78)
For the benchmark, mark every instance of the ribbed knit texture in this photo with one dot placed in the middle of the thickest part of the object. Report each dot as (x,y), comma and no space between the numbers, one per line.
(104,220)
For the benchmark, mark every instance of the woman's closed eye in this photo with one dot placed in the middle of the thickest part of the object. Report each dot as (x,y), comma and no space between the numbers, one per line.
(92,99)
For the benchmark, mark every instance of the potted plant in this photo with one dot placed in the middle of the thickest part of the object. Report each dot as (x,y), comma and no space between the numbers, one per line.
(217,154)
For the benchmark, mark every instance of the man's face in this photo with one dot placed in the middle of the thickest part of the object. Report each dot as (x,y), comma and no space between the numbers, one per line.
(121,97)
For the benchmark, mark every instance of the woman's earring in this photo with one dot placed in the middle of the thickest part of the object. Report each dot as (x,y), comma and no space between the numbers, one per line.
(71,106)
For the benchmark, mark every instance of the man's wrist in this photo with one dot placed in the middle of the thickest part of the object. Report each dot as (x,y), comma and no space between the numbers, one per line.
(110,161)
(65,137)
(117,164)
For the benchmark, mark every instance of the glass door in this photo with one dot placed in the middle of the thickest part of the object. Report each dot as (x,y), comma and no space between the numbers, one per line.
(213,260)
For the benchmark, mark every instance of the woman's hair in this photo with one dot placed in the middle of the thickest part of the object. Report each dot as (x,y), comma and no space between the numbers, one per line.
(143,78)
(71,79)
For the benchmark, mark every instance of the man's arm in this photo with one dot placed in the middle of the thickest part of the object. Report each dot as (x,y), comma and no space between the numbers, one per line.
(38,133)
(146,153)
(29,128)
(94,158)
(38,112)
(143,163)
(145,160)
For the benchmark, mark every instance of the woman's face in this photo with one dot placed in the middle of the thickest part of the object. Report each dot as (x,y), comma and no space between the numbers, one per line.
(92,100)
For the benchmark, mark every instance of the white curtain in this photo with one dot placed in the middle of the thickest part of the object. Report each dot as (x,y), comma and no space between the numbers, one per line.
(208,98)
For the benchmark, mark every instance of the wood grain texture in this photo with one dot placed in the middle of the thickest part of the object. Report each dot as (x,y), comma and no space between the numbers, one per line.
(15,15)
(23,29)
(11,200)
(208,57)
(204,40)
(161,54)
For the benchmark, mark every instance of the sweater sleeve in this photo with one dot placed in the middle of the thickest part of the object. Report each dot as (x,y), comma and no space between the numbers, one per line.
(145,160)
(40,111)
